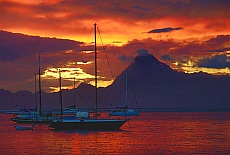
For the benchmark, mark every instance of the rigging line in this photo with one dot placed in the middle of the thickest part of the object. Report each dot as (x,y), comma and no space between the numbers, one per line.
(132,90)
(108,63)
(66,77)
(69,84)
(67,80)
(81,100)
(89,35)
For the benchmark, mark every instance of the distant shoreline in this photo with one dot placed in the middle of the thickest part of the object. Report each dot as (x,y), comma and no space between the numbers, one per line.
(138,109)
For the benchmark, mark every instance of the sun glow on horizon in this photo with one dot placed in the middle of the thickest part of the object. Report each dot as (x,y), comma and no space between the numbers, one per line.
(102,83)
(190,67)
(214,71)
(70,74)
(77,73)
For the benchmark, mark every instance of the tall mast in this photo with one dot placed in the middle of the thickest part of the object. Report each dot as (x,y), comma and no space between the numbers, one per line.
(39,85)
(95,50)
(60,85)
(35,91)
(126,88)
(74,93)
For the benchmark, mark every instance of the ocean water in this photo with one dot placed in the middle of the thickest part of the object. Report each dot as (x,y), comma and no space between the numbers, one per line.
(149,133)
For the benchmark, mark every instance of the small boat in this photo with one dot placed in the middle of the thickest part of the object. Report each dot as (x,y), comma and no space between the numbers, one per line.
(124,111)
(34,118)
(70,110)
(25,127)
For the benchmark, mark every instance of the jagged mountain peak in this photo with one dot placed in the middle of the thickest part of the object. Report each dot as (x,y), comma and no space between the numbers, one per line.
(144,58)
(146,62)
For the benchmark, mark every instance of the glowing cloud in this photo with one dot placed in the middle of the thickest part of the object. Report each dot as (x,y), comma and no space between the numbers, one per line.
(177,32)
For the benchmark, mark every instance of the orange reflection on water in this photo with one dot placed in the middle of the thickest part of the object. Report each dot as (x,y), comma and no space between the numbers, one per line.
(149,133)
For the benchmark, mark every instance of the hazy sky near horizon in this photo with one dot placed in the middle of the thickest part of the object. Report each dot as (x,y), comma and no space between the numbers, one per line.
(188,35)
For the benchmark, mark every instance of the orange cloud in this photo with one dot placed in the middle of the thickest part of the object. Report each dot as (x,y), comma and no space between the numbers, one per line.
(121,23)
(126,20)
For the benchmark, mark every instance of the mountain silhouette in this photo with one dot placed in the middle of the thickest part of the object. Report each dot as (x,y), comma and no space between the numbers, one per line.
(150,83)
(156,85)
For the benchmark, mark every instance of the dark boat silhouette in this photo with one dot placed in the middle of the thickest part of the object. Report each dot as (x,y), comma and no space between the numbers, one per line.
(82,120)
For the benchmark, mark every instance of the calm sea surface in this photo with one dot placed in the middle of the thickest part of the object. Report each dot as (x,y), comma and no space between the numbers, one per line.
(150,133)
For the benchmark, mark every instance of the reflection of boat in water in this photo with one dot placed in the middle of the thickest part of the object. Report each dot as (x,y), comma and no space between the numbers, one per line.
(82,120)
(124,111)
(25,127)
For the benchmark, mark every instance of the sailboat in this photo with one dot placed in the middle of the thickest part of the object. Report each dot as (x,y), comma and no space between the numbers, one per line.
(82,120)
(124,111)
(34,116)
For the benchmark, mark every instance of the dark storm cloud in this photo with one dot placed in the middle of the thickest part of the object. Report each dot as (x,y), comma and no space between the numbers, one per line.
(216,44)
(141,8)
(166,57)
(190,48)
(125,58)
(142,52)
(217,61)
(167,29)
(219,50)
(8,54)
(14,46)
(217,41)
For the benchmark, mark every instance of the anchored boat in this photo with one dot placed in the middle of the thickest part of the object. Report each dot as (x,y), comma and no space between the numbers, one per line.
(82,120)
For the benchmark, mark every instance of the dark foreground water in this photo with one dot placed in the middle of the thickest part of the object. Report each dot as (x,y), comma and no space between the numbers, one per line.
(150,133)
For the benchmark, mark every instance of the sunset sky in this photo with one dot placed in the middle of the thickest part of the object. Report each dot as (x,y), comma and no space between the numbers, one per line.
(188,35)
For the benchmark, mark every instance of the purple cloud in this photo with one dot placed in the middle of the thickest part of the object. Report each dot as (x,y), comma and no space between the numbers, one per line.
(166,57)
(14,46)
(217,61)
(167,29)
